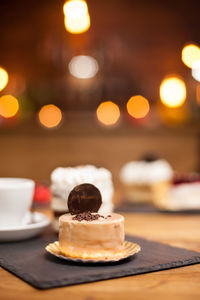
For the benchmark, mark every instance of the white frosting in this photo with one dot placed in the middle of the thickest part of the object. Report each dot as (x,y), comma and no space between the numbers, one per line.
(65,179)
(142,172)
(185,196)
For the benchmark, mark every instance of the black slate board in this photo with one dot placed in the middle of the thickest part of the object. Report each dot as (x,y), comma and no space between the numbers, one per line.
(128,207)
(29,261)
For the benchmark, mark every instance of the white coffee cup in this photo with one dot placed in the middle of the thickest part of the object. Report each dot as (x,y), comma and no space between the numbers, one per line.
(16,196)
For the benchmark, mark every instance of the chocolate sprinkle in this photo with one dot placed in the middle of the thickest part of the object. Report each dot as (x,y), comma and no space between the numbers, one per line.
(87,216)
(83,198)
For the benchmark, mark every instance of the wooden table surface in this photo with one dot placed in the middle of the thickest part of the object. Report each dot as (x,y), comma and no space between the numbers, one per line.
(181,283)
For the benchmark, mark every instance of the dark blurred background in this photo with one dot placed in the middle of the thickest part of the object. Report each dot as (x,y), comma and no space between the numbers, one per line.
(135,44)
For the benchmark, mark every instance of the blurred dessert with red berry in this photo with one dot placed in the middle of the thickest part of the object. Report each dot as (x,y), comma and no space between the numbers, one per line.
(184,194)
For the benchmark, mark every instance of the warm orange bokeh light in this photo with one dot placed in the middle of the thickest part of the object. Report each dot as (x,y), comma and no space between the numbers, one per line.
(77,18)
(138,107)
(9,106)
(173,92)
(50,116)
(3,79)
(190,54)
(108,113)
(77,26)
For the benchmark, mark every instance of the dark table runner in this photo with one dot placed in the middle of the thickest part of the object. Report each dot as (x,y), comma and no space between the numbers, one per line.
(29,261)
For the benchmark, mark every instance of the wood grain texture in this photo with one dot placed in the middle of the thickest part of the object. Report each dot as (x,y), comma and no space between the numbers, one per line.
(180,283)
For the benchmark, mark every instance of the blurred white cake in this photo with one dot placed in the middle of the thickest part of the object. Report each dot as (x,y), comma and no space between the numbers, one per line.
(183,196)
(63,180)
(146,180)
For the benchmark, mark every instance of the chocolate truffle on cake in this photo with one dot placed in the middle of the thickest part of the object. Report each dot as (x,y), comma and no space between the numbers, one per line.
(85,233)
(83,198)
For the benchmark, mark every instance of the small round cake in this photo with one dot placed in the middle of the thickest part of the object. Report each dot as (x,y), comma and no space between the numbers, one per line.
(90,235)
(84,233)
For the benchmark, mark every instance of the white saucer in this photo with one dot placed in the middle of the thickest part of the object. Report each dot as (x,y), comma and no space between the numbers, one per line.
(38,222)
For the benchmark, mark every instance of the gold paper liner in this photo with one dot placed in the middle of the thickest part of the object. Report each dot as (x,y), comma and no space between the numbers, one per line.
(128,250)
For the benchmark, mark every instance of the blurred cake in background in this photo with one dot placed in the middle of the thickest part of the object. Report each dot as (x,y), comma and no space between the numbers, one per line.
(63,180)
(184,194)
(146,180)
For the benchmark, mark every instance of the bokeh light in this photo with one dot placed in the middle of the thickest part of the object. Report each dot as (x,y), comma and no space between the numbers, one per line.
(173,92)
(50,116)
(108,113)
(77,26)
(83,66)
(196,70)
(9,106)
(3,78)
(190,54)
(138,107)
(77,18)
(75,9)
